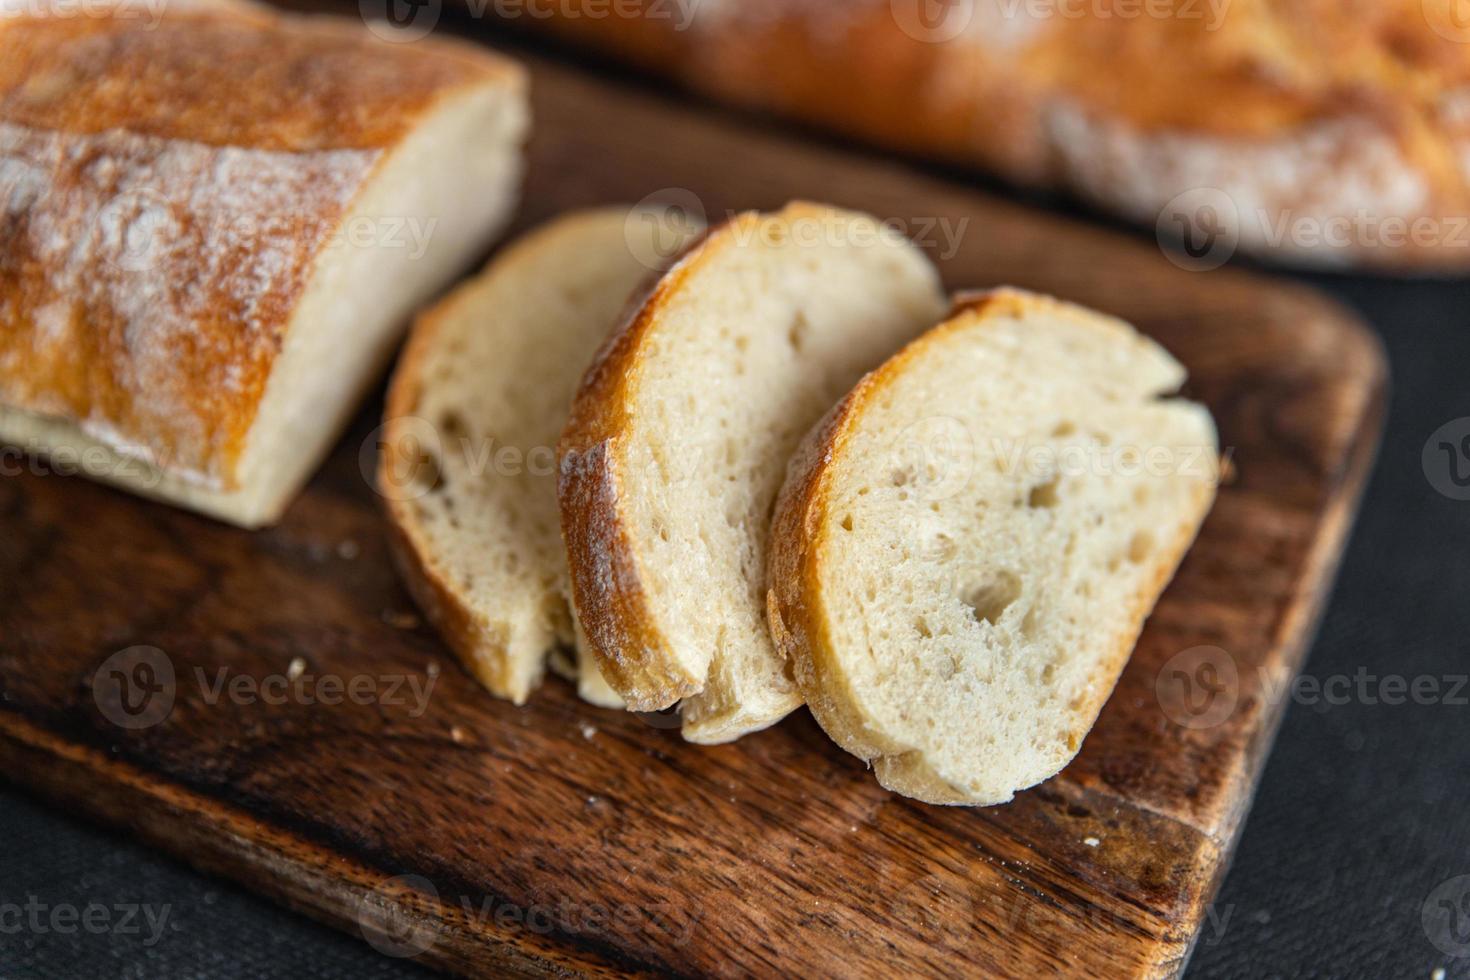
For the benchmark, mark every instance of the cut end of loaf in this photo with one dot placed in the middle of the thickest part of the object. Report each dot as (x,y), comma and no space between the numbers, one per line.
(311,234)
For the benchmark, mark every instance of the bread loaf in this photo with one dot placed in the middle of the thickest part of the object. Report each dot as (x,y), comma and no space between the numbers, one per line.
(1315,131)
(213,228)
(678,440)
(965,549)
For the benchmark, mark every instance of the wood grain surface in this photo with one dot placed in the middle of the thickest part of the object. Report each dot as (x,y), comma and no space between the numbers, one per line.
(488,839)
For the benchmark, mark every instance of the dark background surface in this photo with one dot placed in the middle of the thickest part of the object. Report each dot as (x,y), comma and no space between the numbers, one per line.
(1364,809)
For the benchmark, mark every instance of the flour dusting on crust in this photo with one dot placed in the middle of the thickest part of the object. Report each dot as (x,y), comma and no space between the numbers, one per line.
(1337,168)
(137,273)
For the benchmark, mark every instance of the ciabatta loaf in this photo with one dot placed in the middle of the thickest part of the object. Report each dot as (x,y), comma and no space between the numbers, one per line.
(966,548)
(678,440)
(213,228)
(1318,131)
(474,411)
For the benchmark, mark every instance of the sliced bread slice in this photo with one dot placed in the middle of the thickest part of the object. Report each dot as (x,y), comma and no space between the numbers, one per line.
(473,414)
(965,550)
(678,442)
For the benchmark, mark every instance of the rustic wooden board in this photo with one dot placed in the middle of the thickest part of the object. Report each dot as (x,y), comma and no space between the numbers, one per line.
(558,837)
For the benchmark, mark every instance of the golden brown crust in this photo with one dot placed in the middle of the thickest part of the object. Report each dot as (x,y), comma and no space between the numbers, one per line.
(602,558)
(229,76)
(425,580)
(632,649)
(168,189)
(799,530)
(1197,94)
(798,537)
(793,588)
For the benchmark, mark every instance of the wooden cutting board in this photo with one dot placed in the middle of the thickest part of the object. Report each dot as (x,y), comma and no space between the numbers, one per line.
(557,837)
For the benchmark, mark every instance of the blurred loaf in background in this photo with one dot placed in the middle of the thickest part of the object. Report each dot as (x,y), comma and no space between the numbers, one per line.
(1317,132)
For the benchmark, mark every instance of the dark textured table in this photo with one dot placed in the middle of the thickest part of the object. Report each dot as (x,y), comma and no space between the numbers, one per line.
(1361,823)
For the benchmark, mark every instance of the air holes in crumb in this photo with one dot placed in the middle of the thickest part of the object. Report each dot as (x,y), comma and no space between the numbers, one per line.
(742,343)
(1140,546)
(901,477)
(922,628)
(427,472)
(1063,430)
(1043,494)
(796,333)
(847,523)
(451,423)
(990,600)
